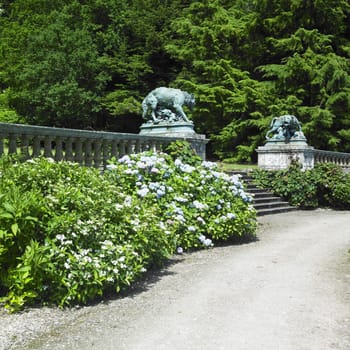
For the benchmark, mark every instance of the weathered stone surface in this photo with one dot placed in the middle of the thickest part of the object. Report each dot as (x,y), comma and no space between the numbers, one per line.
(277,156)
(180,129)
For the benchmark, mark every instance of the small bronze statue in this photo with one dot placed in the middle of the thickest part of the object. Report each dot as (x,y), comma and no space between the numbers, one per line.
(285,128)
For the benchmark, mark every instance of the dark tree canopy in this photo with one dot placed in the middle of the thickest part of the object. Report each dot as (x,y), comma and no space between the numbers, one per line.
(83,64)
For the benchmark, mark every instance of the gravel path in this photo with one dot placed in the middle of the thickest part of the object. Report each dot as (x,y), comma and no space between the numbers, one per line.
(288,290)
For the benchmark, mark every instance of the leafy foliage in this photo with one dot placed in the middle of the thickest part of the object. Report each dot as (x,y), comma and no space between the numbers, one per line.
(7,115)
(70,234)
(182,150)
(325,185)
(89,64)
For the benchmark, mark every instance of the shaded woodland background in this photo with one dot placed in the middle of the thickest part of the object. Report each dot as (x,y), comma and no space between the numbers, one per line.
(88,64)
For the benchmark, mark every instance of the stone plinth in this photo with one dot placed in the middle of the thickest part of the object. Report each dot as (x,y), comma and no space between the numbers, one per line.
(277,155)
(180,129)
(177,130)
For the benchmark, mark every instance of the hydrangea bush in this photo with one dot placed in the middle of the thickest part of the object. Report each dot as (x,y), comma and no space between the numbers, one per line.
(199,204)
(69,234)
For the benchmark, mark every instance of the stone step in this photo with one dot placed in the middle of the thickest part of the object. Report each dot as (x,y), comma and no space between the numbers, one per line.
(270,199)
(258,195)
(264,202)
(257,191)
(269,211)
(269,205)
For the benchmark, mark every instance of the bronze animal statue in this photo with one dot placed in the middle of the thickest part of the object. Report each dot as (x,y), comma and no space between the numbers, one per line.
(284,127)
(165,104)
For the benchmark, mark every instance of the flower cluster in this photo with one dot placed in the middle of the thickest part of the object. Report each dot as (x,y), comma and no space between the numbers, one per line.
(83,233)
(196,201)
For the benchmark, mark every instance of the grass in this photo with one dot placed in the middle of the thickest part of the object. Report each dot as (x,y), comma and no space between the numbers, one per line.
(236,167)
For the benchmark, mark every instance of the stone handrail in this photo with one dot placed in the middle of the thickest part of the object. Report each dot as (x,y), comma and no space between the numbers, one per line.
(89,148)
(338,158)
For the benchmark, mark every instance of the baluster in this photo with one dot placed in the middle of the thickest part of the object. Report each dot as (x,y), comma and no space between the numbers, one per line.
(88,153)
(36,146)
(131,146)
(115,150)
(25,147)
(146,146)
(138,146)
(12,144)
(48,147)
(106,152)
(78,150)
(59,148)
(123,147)
(69,150)
(97,153)
(318,158)
(153,146)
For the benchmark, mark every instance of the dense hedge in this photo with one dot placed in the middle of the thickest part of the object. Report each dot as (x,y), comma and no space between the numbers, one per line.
(327,185)
(69,234)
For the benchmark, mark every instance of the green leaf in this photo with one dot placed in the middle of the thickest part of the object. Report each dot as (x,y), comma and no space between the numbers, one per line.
(6,216)
(14,228)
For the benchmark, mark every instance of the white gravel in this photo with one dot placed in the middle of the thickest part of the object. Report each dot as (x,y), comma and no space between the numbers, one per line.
(289,290)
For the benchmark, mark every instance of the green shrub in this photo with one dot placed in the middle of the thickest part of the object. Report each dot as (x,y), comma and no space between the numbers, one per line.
(326,185)
(184,151)
(333,186)
(8,115)
(69,234)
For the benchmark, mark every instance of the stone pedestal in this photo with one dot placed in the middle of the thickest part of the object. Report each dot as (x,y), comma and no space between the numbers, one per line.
(277,155)
(177,130)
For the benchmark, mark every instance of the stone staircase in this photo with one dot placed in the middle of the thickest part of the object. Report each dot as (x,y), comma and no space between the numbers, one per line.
(264,202)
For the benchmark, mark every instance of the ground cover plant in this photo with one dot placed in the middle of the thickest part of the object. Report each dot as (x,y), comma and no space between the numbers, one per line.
(327,185)
(70,234)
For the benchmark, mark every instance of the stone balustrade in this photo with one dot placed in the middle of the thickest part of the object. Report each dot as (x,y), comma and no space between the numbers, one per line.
(338,158)
(279,155)
(89,148)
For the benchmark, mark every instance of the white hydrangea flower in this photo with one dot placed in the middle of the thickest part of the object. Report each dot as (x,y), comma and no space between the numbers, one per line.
(111,167)
(231,216)
(209,165)
(179,250)
(208,242)
(143,192)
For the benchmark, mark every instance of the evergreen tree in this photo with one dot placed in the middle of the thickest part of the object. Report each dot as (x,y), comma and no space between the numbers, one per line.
(209,41)
(141,63)
(250,61)
(308,66)
(89,63)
